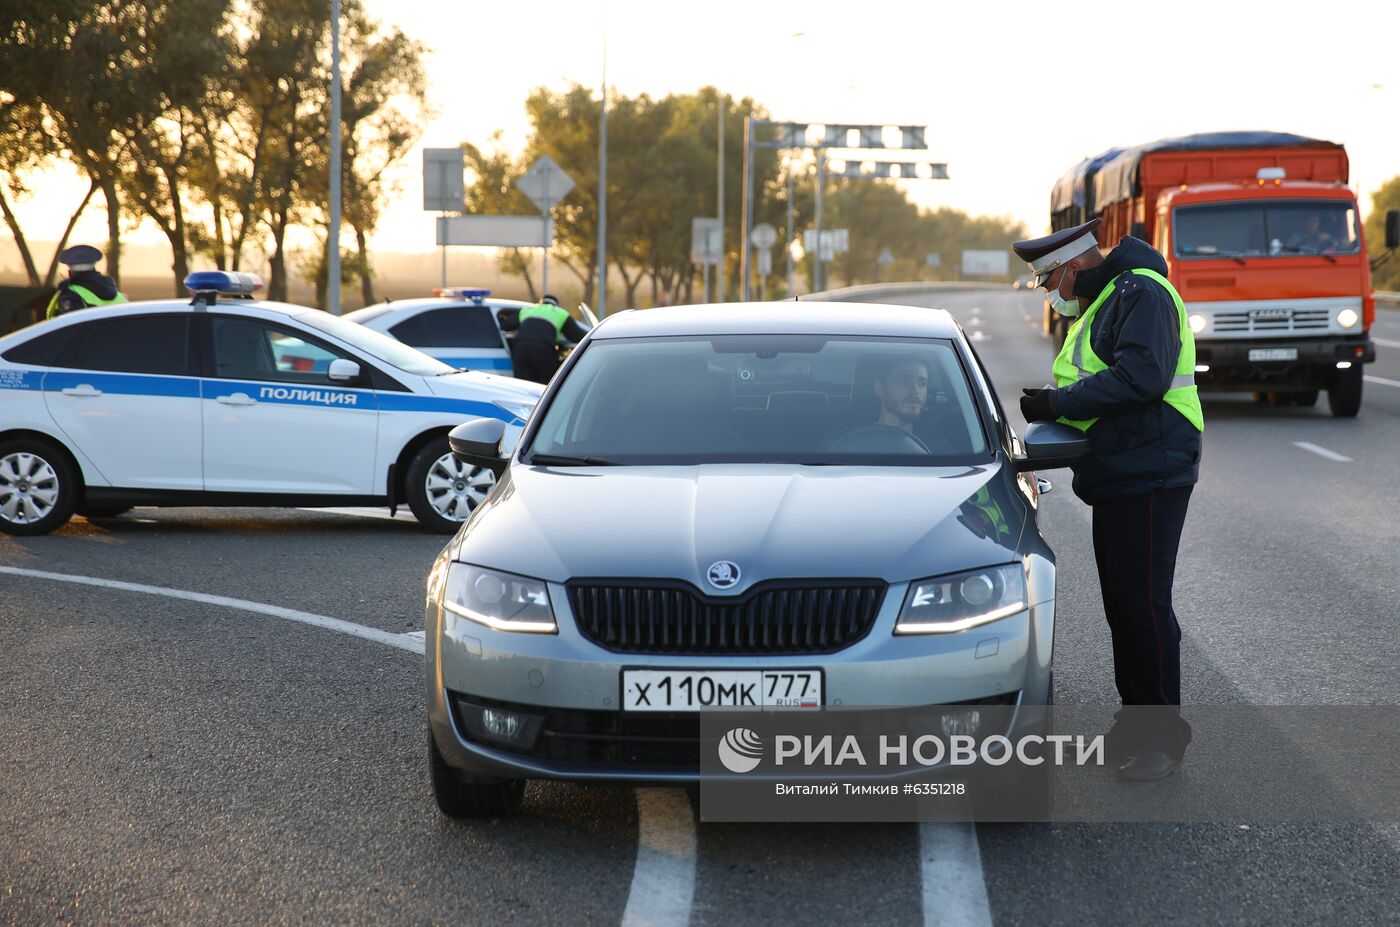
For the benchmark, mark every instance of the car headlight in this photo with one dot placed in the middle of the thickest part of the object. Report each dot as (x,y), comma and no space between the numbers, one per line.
(1198,323)
(502,601)
(959,601)
(1348,318)
(520,408)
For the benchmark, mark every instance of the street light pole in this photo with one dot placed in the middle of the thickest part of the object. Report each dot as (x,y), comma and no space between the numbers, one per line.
(791,289)
(817,270)
(744,261)
(333,231)
(719,270)
(603,181)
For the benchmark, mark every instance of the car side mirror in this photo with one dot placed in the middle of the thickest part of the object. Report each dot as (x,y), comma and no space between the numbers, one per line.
(1392,228)
(479,443)
(1050,444)
(343,371)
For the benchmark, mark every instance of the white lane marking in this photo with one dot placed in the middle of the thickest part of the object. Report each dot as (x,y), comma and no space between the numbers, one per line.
(1381,380)
(663,880)
(412,641)
(1322,451)
(950,866)
(365,512)
(980,336)
(1385,342)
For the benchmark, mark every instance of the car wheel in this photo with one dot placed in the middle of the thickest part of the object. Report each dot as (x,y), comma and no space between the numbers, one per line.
(39,487)
(1344,395)
(103,511)
(441,490)
(460,795)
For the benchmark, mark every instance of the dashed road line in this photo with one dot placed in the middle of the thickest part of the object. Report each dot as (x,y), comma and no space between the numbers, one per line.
(1381,380)
(1322,451)
(412,641)
(950,868)
(663,879)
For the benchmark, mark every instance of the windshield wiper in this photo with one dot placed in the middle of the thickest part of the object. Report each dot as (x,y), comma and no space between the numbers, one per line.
(562,460)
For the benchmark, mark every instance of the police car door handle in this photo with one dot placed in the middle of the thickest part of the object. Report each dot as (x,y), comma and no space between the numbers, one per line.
(237,399)
(82,389)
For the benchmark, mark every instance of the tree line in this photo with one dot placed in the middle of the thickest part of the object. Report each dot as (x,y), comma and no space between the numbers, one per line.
(209,119)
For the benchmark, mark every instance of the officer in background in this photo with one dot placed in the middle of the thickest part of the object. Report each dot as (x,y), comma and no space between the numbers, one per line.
(539,329)
(1126,377)
(85,287)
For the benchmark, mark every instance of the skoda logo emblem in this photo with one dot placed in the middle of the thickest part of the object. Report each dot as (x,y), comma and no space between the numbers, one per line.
(723,574)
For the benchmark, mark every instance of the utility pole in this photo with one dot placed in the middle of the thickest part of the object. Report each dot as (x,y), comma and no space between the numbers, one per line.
(818,274)
(719,270)
(603,182)
(333,230)
(744,261)
(791,290)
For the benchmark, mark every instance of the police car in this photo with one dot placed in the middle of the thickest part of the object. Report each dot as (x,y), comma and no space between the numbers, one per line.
(228,400)
(460,326)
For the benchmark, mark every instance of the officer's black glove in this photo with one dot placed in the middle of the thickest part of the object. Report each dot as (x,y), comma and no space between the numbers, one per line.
(1035,405)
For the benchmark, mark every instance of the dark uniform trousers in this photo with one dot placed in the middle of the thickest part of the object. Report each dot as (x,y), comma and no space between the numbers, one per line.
(1135,543)
(532,353)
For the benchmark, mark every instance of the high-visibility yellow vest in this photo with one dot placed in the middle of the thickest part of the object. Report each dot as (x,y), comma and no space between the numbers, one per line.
(552,314)
(86,295)
(1077,359)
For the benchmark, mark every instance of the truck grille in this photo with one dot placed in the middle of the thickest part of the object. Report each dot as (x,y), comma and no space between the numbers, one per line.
(1301,320)
(657,616)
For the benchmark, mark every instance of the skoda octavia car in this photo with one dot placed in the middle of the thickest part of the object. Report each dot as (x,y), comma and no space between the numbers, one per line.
(778,504)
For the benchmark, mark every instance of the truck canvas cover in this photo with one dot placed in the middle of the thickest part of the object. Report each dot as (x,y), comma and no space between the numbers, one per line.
(1118,178)
(1069,190)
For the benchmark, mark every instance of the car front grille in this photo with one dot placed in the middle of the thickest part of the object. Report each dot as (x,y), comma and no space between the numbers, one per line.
(786,616)
(1300,320)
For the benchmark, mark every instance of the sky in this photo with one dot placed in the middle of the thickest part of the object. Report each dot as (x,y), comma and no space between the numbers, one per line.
(1013,93)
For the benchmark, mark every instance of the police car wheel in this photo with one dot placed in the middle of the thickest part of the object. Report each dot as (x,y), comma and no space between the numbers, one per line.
(459,795)
(39,487)
(442,491)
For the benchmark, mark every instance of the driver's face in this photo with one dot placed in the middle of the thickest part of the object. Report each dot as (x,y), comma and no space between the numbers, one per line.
(904,391)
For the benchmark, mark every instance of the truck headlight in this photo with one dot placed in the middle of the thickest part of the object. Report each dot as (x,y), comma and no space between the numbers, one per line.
(502,601)
(1197,322)
(1348,318)
(956,602)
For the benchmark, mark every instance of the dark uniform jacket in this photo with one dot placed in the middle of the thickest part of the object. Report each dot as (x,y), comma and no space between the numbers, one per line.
(1139,443)
(101,285)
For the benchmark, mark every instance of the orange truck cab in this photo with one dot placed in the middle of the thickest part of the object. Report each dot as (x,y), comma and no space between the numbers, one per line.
(1263,241)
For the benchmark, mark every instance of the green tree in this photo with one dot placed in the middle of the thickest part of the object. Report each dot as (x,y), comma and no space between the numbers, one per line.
(1387,275)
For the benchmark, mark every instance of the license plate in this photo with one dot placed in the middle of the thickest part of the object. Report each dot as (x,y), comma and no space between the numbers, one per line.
(692,690)
(1273,354)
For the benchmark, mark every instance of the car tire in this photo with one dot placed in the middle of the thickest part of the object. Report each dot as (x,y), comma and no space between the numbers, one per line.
(461,796)
(103,511)
(39,487)
(441,491)
(1344,395)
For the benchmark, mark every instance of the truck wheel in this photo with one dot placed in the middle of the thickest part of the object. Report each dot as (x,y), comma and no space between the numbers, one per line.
(39,487)
(459,795)
(1344,395)
(441,491)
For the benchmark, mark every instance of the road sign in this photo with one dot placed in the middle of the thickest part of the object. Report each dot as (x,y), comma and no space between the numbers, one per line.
(833,242)
(497,231)
(706,241)
(765,261)
(763,235)
(985,263)
(933,259)
(444,189)
(545,183)
(886,257)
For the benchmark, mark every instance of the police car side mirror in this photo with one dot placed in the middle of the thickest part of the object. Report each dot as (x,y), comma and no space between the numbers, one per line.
(1050,444)
(343,371)
(479,443)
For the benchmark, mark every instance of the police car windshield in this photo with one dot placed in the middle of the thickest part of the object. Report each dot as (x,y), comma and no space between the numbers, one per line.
(799,399)
(380,347)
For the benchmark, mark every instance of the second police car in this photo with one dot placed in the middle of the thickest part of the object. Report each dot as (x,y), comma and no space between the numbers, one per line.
(228,400)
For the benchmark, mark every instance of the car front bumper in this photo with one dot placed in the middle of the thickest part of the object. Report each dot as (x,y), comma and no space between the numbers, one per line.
(577,684)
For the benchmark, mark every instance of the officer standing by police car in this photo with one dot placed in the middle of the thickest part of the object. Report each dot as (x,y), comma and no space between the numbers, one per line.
(540,328)
(1126,377)
(85,287)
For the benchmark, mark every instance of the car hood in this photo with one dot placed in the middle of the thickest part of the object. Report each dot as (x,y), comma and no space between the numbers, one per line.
(773,521)
(476,385)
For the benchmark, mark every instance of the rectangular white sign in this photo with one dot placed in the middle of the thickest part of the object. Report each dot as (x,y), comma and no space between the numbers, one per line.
(985,263)
(497,231)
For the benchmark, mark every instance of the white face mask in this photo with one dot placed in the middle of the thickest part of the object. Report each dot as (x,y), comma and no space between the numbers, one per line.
(1065,307)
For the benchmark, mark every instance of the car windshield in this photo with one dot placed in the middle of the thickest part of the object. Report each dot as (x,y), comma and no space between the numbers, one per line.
(1267,229)
(380,347)
(807,399)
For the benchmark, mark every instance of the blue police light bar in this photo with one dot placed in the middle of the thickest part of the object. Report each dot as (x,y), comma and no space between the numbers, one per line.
(462,292)
(223,282)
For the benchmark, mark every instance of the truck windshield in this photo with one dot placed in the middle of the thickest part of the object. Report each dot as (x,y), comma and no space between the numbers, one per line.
(1275,229)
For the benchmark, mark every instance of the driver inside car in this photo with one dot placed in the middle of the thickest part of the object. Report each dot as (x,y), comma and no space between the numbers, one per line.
(900,390)
(903,393)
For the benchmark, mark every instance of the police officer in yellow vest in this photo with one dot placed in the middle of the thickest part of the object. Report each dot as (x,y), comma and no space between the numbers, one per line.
(1126,377)
(540,327)
(85,287)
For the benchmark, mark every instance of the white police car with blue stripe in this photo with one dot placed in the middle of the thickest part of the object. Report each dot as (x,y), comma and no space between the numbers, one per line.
(460,326)
(227,400)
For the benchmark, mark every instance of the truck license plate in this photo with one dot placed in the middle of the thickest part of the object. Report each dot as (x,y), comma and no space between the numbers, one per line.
(1273,354)
(692,690)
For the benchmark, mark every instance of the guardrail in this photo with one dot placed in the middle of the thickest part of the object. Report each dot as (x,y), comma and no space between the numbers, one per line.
(1386,299)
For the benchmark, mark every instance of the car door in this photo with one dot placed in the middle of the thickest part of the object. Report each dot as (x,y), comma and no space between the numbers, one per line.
(460,336)
(124,390)
(274,422)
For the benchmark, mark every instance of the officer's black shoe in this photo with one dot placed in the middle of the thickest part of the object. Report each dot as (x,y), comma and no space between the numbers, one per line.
(1148,766)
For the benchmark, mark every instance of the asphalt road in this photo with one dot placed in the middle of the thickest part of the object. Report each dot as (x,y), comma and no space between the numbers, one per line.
(179,761)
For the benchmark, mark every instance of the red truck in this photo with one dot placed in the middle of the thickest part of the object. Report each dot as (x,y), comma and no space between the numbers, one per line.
(1262,239)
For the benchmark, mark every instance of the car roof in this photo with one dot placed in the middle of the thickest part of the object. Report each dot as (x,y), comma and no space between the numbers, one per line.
(254,307)
(786,317)
(429,302)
